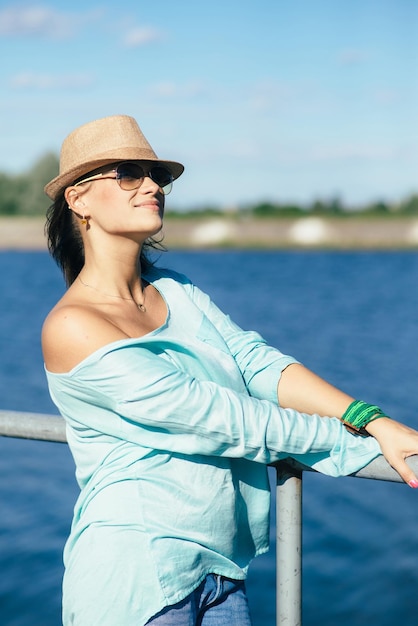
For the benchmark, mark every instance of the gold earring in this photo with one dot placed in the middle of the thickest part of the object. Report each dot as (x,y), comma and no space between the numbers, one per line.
(83,220)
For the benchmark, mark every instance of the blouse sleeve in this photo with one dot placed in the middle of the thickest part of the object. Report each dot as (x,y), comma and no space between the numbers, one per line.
(137,394)
(261,365)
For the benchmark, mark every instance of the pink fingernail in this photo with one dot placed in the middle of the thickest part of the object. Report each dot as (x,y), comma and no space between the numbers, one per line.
(413,483)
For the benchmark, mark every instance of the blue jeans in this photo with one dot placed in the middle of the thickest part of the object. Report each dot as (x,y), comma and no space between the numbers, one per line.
(217,601)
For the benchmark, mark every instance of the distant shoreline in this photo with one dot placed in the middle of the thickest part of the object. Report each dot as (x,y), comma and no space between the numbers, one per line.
(27,233)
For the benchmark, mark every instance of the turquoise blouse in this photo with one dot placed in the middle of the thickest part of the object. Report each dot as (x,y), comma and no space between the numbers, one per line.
(171,434)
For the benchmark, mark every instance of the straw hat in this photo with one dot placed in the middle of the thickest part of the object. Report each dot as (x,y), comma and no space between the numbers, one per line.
(102,142)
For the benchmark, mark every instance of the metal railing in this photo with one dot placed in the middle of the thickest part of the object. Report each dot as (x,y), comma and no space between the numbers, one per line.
(288,503)
(32,426)
(289,530)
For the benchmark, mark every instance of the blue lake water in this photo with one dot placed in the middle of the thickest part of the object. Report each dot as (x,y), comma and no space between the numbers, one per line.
(351,317)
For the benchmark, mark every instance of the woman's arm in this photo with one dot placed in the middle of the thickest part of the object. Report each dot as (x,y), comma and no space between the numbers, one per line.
(301,389)
(140,391)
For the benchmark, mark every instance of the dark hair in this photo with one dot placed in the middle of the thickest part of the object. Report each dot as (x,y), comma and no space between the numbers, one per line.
(65,243)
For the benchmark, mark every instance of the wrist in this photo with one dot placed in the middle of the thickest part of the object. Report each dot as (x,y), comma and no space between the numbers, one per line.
(359,415)
(373,427)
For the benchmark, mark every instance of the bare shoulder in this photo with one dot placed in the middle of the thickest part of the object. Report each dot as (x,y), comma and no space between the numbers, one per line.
(71,332)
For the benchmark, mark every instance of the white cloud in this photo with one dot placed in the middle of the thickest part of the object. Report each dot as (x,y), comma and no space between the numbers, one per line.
(387,96)
(43,22)
(37,20)
(141,36)
(27,80)
(353,56)
(165,89)
(33,20)
(269,95)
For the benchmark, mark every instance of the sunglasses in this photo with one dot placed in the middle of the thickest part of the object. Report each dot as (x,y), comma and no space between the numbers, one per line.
(131,175)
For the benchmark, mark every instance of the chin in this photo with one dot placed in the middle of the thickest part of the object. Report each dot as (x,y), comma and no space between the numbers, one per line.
(154,231)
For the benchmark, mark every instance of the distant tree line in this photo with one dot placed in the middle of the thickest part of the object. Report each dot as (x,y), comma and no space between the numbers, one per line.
(335,207)
(22,194)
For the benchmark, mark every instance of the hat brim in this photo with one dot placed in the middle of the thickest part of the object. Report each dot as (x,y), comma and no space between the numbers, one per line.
(60,182)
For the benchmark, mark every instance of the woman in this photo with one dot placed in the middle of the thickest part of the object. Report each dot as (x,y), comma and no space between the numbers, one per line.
(172,411)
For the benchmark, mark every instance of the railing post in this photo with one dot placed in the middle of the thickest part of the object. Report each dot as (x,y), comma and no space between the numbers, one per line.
(289,545)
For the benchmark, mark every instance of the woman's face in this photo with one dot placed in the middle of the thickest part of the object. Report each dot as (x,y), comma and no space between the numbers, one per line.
(107,207)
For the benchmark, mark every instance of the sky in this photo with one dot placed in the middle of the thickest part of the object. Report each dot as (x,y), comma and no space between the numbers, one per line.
(261,100)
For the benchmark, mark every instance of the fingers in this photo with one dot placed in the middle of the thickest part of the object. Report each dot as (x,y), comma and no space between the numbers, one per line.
(397,443)
(406,473)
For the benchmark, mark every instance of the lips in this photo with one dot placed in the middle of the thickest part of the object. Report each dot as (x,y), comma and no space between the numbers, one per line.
(153,204)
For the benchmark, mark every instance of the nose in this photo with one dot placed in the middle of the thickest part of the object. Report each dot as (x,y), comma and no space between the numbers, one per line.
(149,186)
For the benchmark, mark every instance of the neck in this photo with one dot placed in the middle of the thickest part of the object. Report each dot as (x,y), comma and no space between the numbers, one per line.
(140,304)
(115,272)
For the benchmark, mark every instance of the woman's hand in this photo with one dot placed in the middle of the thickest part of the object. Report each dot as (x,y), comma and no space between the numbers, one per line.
(397,442)
(301,389)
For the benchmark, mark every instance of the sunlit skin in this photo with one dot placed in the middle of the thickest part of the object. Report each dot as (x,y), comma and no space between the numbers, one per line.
(86,318)
(89,317)
(115,211)
(301,389)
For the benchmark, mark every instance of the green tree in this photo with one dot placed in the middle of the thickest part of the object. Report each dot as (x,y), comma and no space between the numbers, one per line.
(379,207)
(265,208)
(30,186)
(9,201)
(410,205)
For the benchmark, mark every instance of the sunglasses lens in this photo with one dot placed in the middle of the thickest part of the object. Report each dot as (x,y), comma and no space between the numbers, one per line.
(163,177)
(130,175)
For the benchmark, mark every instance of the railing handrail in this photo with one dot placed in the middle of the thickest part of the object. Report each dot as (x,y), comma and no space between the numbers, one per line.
(46,427)
(22,425)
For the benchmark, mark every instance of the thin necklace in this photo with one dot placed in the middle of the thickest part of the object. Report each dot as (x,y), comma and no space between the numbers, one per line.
(141,306)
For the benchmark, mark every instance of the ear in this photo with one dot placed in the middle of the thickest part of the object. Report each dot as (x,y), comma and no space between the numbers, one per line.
(74,199)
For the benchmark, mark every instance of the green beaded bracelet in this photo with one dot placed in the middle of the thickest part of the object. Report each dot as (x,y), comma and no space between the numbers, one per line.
(359,414)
